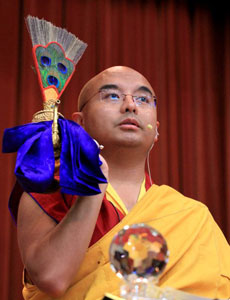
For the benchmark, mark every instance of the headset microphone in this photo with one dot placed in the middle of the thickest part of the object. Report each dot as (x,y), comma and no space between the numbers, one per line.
(98,145)
(150,127)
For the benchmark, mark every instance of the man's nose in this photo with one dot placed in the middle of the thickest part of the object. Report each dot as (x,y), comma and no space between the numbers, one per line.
(128,104)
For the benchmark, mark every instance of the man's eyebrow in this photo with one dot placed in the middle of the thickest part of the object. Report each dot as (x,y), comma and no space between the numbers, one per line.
(145,89)
(114,86)
(108,86)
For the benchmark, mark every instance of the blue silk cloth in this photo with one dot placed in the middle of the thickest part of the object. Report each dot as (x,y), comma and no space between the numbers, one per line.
(79,171)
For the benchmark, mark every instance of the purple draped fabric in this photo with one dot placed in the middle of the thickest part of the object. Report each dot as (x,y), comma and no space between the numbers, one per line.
(79,171)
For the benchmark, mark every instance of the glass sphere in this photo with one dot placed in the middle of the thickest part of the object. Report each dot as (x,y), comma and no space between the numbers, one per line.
(138,250)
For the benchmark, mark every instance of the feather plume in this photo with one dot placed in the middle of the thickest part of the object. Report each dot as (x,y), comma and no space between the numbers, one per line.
(43,32)
(56,52)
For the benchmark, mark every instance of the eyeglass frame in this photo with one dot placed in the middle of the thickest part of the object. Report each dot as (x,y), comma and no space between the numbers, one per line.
(122,94)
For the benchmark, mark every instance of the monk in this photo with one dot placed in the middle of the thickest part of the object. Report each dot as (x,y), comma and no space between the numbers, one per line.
(64,240)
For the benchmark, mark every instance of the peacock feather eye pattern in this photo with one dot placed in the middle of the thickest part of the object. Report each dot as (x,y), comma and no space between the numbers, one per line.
(54,67)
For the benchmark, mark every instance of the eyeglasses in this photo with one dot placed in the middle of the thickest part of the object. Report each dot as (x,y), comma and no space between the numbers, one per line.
(141,99)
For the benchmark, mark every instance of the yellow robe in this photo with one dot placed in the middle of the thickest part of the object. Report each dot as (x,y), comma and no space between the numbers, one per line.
(199,261)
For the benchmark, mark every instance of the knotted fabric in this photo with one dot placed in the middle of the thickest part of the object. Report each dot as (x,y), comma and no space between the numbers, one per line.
(79,171)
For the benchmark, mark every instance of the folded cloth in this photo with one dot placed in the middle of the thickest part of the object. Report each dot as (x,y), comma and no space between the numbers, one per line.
(79,171)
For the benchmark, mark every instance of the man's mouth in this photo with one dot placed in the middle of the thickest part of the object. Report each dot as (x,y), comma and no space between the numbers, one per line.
(129,123)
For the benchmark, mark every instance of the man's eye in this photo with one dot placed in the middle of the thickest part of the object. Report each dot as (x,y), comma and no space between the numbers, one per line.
(114,96)
(111,96)
(142,99)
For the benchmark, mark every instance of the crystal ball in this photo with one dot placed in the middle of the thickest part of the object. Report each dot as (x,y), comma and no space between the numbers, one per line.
(138,250)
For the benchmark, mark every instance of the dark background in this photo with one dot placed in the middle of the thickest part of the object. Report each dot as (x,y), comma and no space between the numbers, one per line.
(182,47)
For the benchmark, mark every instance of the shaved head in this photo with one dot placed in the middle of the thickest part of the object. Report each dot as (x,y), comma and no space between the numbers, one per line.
(94,84)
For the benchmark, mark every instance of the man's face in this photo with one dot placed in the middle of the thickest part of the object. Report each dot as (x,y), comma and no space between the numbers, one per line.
(122,123)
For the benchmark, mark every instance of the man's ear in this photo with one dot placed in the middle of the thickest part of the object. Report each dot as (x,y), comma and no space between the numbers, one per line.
(78,118)
(157,133)
(158,124)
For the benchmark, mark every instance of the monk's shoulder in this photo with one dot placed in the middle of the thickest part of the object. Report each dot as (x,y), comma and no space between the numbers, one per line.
(171,198)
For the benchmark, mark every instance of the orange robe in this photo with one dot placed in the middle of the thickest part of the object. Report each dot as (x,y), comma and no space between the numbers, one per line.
(199,261)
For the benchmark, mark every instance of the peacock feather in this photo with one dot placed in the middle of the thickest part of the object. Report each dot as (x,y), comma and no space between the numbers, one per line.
(56,52)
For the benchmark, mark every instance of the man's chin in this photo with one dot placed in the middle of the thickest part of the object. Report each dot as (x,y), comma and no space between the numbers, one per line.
(125,139)
(129,141)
